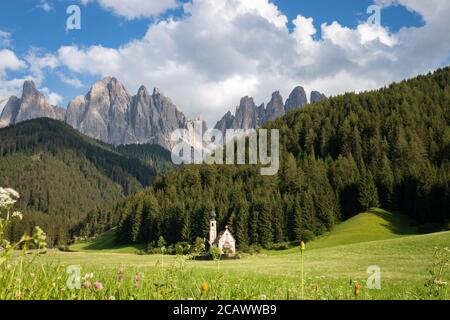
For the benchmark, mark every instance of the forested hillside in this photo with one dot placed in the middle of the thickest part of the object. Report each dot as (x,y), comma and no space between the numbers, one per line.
(388,148)
(151,154)
(62,175)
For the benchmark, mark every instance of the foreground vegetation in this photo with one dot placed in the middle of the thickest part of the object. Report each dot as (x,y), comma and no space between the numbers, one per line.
(332,270)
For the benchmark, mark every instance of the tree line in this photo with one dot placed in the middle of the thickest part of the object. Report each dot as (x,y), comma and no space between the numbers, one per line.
(388,148)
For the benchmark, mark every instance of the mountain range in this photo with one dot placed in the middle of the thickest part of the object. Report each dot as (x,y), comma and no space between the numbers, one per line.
(250,116)
(110,114)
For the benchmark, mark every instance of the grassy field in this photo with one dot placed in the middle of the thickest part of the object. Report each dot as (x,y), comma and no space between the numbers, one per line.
(333,265)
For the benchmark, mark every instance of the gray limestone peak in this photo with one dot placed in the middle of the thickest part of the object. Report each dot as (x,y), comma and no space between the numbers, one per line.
(107,113)
(275,108)
(31,105)
(10,111)
(297,99)
(317,96)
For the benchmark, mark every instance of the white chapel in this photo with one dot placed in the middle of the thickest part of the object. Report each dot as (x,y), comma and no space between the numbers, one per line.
(225,240)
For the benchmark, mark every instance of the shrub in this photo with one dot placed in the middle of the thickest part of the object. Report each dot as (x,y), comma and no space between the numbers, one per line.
(307,235)
(182,248)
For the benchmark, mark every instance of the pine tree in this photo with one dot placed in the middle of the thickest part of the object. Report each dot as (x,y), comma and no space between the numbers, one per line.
(367,192)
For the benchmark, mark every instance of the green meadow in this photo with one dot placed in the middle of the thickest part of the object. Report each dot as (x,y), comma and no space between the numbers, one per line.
(334,265)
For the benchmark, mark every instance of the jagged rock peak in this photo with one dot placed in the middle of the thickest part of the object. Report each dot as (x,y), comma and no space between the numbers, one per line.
(275,108)
(297,99)
(317,96)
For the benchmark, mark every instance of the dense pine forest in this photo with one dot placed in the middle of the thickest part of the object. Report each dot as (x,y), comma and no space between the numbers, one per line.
(62,175)
(389,148)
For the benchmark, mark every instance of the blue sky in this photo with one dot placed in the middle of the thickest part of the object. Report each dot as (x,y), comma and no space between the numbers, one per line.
(38,27)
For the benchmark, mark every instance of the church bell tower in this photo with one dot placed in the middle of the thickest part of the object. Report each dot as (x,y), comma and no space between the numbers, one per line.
(212,227)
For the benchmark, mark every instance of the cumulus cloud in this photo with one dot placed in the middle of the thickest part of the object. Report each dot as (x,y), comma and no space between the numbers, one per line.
(132,9)
(71,81)
(52,98)
(9,62)
(34,66)
(221,50)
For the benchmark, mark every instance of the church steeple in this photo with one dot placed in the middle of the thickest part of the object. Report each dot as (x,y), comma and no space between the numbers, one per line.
(212,227)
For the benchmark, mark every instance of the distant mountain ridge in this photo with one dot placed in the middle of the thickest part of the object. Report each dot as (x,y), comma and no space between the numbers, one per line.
(31,105)
(107,113)
(110,114)
(250,116)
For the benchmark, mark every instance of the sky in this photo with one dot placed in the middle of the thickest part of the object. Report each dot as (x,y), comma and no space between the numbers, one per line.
(207,54)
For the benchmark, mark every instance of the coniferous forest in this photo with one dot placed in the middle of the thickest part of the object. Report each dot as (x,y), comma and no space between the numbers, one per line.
(388,148)
(64,177)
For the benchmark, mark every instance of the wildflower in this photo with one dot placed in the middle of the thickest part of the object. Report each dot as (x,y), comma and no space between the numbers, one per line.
(138,277)
(98,286)
(39,238)
(137,280)
(86,284)
(88,276)
(12,193)
(120,274)
(358,288)
(440,283)
(205,287)
(8,197)
(302,246)
(17,215)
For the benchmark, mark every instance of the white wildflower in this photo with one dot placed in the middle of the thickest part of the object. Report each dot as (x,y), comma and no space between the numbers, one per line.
(12,193)
(17,215)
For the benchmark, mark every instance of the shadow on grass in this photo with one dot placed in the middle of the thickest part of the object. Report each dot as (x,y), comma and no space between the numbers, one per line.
(397,223)
(107,241)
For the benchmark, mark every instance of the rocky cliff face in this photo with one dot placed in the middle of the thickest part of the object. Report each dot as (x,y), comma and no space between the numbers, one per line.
(249,116)
(31,105)
(297,99)
(109,113)
(317,96)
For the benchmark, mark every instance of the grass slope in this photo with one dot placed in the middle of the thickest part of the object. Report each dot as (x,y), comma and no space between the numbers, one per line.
(106,242)
(404,262)
(376,224)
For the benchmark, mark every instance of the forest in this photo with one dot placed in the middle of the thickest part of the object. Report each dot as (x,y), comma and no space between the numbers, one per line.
(62,175)
(388,148)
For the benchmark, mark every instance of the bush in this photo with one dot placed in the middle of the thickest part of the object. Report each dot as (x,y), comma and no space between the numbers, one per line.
(215,253)
(307,236)
(252,249)
(199,247)
(182,248)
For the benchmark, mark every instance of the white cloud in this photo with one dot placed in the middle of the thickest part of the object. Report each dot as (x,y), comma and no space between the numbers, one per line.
(52,98)
(5,39)
(132,9)
(8,87)
(71,81)
(221,50)
(9,61)
(45,5)
(39,62)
